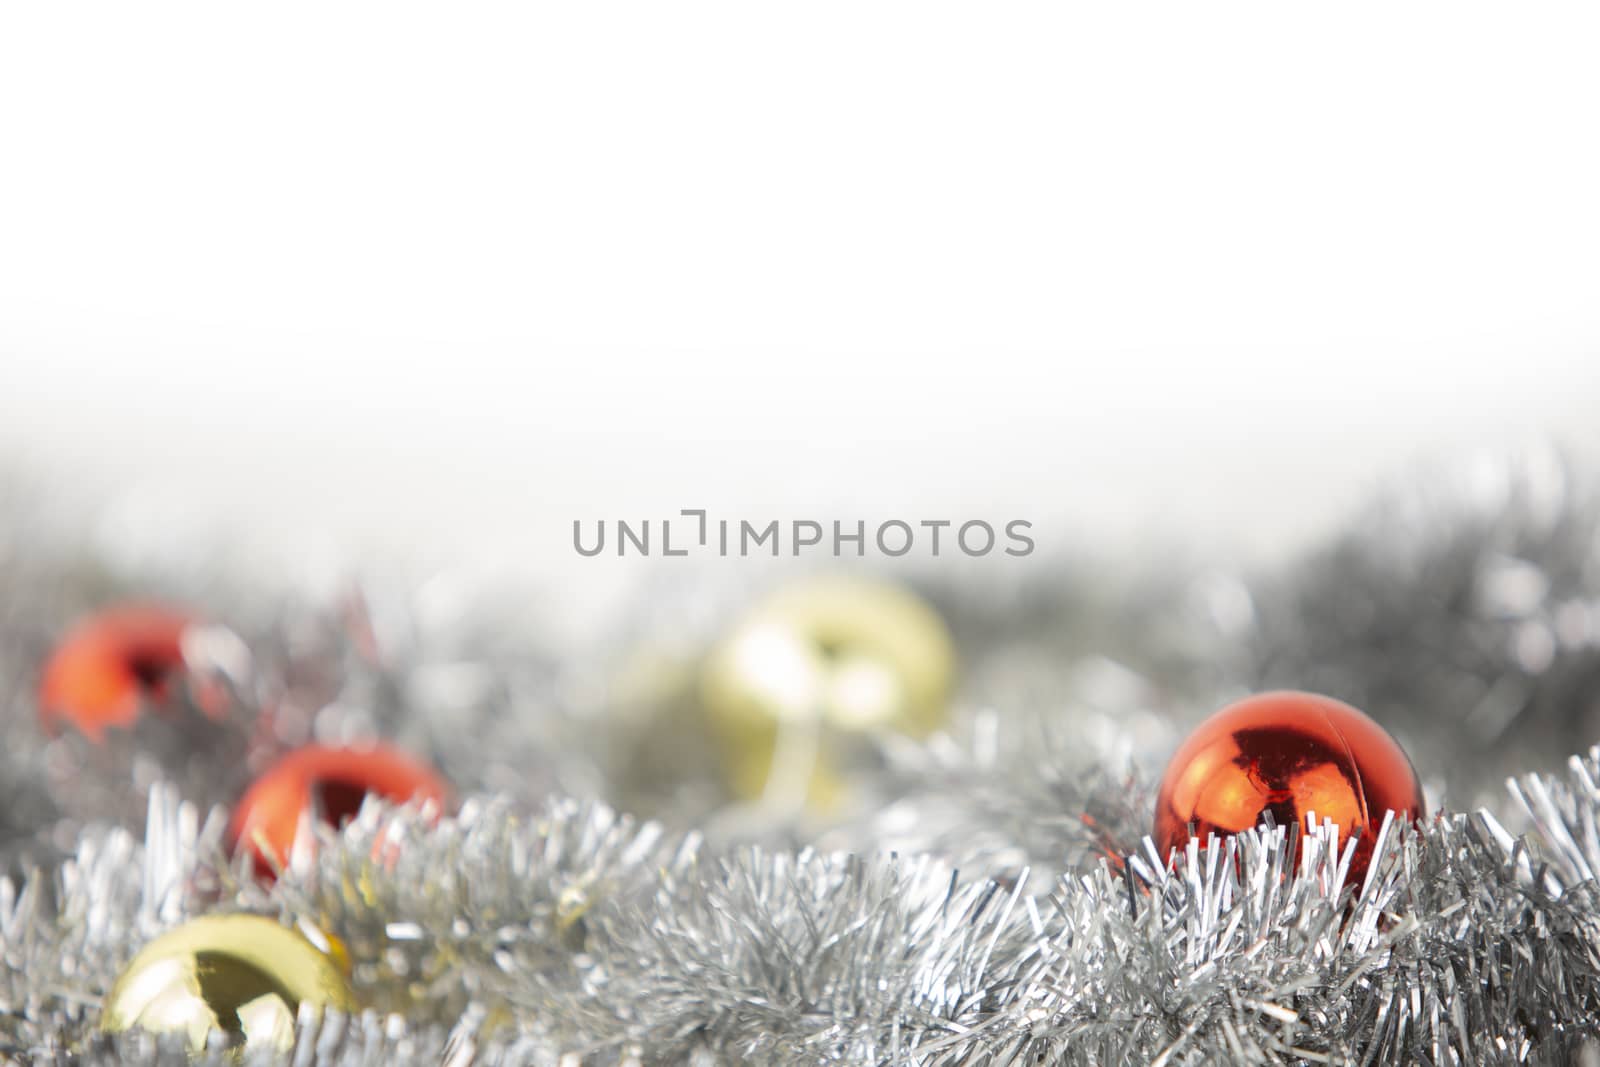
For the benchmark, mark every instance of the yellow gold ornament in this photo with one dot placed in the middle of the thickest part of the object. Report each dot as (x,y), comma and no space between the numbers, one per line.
(245,975)
(815,664)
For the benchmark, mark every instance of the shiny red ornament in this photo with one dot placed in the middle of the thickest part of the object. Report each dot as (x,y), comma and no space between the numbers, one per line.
(111,664)
(327,784)
(1291,754)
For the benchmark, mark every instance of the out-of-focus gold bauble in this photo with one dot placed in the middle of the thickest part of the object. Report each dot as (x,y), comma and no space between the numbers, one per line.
(245,975)
(816,663)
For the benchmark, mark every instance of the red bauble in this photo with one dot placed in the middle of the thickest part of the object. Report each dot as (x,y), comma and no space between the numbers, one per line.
(326,783)
(112,663)
(1291,754)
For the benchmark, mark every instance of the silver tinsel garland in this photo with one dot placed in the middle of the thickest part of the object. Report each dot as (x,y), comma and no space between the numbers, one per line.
(991,898)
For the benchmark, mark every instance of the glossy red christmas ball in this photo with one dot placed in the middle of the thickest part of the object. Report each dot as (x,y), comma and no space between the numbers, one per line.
(1291,754)
(326,784)
(111,664)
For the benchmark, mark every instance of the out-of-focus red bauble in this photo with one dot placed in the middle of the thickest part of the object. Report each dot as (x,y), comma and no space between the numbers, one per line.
(325,783)
(1291,754)
(112,663)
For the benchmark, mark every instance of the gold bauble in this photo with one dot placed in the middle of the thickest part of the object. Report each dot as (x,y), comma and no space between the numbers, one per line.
(245,975)
(817,663)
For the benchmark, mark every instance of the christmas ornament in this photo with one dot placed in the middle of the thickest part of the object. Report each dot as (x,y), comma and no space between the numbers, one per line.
(109,665)
(327,784)
(962,911)
(1294,755)
(244,975)
(814,664)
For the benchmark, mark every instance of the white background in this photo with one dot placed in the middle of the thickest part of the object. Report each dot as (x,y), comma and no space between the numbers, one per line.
(427,283)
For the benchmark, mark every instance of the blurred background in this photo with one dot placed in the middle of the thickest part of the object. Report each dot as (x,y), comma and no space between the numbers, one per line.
(415,288)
